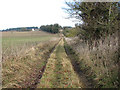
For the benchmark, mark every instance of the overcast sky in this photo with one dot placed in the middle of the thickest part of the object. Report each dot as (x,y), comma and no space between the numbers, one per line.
(25,13)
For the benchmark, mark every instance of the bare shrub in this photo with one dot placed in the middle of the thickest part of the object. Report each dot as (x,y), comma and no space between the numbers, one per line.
(103,59)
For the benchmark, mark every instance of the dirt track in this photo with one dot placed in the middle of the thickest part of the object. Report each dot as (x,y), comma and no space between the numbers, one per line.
(59,72)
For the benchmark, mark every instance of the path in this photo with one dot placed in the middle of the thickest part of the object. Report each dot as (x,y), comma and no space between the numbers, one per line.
(59,71)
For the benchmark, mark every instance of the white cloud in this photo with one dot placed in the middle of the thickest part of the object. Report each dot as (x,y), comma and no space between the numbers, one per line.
(20,13)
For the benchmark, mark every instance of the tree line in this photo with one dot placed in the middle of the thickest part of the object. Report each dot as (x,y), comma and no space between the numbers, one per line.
(53,28)
(20,29)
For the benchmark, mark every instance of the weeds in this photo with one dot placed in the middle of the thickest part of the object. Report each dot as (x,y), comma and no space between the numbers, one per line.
(101,61)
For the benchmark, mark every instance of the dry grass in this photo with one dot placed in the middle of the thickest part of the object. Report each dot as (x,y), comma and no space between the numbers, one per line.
(23,55)
(102,61)
(22,72)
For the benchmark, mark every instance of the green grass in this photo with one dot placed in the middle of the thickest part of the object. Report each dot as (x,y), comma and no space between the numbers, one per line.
(59,72)
(58,67)
(71,32)
(17,41)
(13,39)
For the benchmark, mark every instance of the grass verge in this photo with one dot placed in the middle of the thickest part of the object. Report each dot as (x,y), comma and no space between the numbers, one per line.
(82,70)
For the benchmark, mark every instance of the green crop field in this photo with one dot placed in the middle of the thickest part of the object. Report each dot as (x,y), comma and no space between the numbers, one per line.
(15,43)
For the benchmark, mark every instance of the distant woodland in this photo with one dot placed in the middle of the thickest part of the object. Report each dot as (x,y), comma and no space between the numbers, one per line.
(51,28)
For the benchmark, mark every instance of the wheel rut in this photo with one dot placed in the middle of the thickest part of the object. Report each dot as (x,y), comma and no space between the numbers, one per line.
(41,71)
(59,72)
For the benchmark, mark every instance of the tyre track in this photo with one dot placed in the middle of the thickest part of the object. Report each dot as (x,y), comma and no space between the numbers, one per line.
(59,72)
(41,71)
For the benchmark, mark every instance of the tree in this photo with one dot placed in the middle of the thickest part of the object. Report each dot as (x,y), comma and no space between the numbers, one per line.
(51,28)
(100,18)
